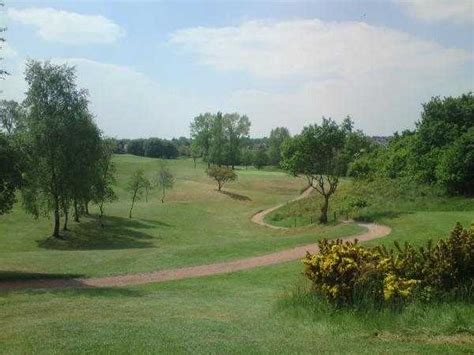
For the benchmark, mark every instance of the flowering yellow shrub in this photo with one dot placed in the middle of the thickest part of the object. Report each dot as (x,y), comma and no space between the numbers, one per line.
(346,271)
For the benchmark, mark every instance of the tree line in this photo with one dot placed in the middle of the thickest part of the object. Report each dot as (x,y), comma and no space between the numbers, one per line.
(439,152)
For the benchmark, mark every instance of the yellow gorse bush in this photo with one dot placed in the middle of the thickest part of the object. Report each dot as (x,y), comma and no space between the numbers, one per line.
(344,271)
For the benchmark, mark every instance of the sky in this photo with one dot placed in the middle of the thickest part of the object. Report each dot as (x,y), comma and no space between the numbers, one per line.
(151,66)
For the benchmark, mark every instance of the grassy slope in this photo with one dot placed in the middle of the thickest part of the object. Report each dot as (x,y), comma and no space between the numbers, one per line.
(195,225)
(258,310)
(413,217)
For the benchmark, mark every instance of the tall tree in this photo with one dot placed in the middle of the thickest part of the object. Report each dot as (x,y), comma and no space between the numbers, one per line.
(315,153)
(56,108)
(201,133)
(236,127)
(136,186)
(102,190)
(276,139)
(10,174)
(164,180)
(218,141)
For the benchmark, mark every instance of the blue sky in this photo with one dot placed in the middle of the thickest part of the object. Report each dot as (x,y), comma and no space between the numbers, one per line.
(150,67)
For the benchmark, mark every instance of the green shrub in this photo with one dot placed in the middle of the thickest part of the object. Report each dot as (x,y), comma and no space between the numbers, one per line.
(348,273)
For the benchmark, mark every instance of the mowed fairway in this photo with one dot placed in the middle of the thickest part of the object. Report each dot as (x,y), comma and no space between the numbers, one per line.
(264,310)
(196,225)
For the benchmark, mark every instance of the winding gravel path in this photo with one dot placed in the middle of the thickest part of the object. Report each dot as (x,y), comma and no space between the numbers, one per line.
(374,231)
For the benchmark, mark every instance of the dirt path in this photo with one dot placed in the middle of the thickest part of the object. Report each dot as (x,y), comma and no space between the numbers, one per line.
(373,231)
(259,217)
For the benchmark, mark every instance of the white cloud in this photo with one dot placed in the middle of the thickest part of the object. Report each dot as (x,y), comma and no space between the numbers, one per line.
(68,27)
(378,75)
(125,102)
(454,11)
(313,48)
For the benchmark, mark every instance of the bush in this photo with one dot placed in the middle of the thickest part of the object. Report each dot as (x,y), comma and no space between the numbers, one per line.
(221,174)
(347,273)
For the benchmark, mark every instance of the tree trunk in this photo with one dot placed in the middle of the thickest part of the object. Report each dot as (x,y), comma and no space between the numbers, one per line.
(66,219)
(323,219)
(133,202)
(86,207)
(76,212)
(194,160)
(56,218)
(101,210)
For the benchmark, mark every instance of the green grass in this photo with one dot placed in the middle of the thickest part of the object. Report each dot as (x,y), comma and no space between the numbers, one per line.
(255,311)
(196,225)
(264,310)
(414,216)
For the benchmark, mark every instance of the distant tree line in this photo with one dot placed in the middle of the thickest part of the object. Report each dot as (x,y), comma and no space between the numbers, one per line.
(150,147)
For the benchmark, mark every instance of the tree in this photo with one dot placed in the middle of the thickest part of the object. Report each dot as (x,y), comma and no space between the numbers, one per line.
(235,127)
(136,185)
(136,147)
(455,170)
(10,174)
(276,139)
(201,133)
(56,109)
(218,141)
(164,180)
(221,174)
(102,191)
(12,116)
(315,153)
(195,152)
(260,158)
(246,157)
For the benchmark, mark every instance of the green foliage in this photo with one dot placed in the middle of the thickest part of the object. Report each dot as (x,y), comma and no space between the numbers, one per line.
(10,174)
(12,116)
(160,148)
(246,156)
(136,147)
(60,141)
(219,137)
(317,154)
(102,190)
(455,169)
(221,174)
(137,185)
(346,273)
(164,180)
(260,158)
(277,137)
(439,152)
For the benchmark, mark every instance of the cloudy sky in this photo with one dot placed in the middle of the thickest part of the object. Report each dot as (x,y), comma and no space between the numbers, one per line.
(151,66)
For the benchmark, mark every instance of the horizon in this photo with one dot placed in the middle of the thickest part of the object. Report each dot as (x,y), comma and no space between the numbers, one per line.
(279,63)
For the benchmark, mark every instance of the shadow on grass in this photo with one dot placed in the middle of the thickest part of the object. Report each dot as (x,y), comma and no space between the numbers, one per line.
(377,215)
(21,275)
(117,233)
(235,196)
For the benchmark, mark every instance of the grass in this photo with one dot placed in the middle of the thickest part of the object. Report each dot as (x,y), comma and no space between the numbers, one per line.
(195,225)
(264,310)
(413,215)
